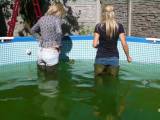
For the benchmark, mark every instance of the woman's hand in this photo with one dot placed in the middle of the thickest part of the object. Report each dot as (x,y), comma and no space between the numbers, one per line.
(129,59)
(96,40)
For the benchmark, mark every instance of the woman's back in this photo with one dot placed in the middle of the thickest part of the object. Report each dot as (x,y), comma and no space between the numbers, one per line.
(49,27)
(107,46)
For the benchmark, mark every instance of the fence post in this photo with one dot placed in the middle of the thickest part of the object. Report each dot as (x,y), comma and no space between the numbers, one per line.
(129,17)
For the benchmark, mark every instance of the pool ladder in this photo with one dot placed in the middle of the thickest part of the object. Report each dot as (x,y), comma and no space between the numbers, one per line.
(15,13)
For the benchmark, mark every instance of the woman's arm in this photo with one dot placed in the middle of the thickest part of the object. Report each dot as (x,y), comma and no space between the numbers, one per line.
(35,30)
(96,40)
(125,46)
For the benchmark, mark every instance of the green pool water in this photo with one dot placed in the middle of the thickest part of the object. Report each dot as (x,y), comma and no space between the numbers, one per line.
(72,92)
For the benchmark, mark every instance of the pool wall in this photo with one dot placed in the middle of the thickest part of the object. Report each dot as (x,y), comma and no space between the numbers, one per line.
(77,47)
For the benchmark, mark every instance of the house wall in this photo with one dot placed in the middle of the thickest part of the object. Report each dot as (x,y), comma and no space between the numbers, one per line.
(145,15)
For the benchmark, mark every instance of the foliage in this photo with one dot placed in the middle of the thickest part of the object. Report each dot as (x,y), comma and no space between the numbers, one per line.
(4,13)
(4,2)
(86,30)
(5,5)
(70,25)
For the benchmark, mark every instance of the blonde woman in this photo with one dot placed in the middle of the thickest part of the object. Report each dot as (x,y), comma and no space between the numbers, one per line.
(106,35)
(49,28)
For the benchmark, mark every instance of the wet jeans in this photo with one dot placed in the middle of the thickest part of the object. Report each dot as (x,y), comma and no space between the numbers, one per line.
(112,61)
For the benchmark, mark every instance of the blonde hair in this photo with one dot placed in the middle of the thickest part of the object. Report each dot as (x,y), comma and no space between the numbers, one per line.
(56,9)
(108,17)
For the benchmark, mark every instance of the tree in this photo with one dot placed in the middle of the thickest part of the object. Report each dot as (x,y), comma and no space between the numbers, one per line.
(4,13)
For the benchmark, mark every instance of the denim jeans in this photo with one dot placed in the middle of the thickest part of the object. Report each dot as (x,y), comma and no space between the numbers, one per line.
(113,61)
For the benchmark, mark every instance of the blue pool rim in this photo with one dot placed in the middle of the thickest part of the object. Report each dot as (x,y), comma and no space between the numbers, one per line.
(79,37)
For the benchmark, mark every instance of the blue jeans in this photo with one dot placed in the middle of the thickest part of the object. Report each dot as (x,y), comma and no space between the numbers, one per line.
(112,61)
(107,66)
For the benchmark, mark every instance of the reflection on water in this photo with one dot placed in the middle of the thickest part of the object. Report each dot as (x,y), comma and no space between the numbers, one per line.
(72,93)
(107,100)
(54,88)
(47,82)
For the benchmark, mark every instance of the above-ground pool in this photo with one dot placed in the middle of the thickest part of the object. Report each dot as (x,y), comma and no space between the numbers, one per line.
(72,92)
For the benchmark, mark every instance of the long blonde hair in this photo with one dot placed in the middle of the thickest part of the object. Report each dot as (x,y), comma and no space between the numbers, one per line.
(108,17)
(56,9)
